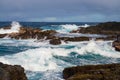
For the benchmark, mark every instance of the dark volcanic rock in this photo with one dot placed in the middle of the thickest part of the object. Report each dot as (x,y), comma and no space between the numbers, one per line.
(9,72)
(110,37)
(75,38)
(108,28)
(116,43)
(55,41)
(27,33)
(93,72)
(2,35)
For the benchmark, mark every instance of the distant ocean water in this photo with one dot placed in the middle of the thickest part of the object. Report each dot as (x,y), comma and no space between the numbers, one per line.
(43,61)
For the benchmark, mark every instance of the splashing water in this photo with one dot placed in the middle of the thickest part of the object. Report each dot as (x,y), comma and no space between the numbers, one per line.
(69,27)
(43,61)
(15,26)
(66,28)
(46,60)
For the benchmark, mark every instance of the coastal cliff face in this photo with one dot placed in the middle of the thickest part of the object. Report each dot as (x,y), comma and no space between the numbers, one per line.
(9,72)
(93,72)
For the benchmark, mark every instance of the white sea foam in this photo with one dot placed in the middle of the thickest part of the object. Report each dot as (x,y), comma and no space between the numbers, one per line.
(23,42)
(70,27)
(94,48)
(86,25)
(42,58)
(15,26)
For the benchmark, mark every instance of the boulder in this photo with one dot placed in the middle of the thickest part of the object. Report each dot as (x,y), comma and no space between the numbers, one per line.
(116,43)
(12,72)
(55,41)
(93,72)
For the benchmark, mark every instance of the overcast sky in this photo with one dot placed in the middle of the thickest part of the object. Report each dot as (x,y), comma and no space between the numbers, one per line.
(60,10)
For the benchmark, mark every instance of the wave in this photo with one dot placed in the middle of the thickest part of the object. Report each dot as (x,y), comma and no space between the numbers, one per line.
(15,27)
(52,58)
(40,59)
(70,27)
(104,50)
(64,28)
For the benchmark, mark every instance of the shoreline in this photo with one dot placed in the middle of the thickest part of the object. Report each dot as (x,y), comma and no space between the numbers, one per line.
(39,34)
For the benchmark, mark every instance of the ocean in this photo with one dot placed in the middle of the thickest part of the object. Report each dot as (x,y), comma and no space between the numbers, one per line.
(43,61)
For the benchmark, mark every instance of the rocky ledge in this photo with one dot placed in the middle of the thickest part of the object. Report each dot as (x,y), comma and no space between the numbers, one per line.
(108,28)
(11,72)
(93,72)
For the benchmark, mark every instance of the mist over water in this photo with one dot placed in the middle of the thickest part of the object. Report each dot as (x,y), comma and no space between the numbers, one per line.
(43,61)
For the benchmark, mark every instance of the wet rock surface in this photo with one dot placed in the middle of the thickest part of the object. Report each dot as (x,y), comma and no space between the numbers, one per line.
(11,72)
(74,39)
(108,28)
(55,41)
(28,32)
(93,72)
(116,43)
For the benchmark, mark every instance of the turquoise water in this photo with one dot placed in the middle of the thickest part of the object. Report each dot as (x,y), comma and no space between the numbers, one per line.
(43,61)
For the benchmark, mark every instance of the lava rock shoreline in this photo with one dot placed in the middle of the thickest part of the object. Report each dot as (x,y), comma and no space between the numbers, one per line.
(111,29)
(90,72)
(12,72)
(107,28)
(93,72)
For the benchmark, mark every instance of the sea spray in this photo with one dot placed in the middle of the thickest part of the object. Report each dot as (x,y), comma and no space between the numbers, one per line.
(46,60)
(70,27)
(64,28)
(43,61)
(15,27)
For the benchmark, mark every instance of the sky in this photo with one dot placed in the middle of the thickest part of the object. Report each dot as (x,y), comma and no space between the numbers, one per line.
(60,10)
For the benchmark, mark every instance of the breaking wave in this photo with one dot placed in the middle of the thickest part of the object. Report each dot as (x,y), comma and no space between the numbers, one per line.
(15,26)
(43,61)
(70,27)
(63,28)
(43,58)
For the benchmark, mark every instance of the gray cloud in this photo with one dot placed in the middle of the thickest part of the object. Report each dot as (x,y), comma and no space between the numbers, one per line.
(60,10)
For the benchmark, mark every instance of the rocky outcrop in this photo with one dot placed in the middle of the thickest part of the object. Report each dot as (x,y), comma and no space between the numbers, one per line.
(55,41)
(108,28)
(93,72)
(74,39)
(9,72)
(3,35)
(116,43)
(27,33)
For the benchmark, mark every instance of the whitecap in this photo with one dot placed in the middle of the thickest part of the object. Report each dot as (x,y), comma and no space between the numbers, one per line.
(15,27)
